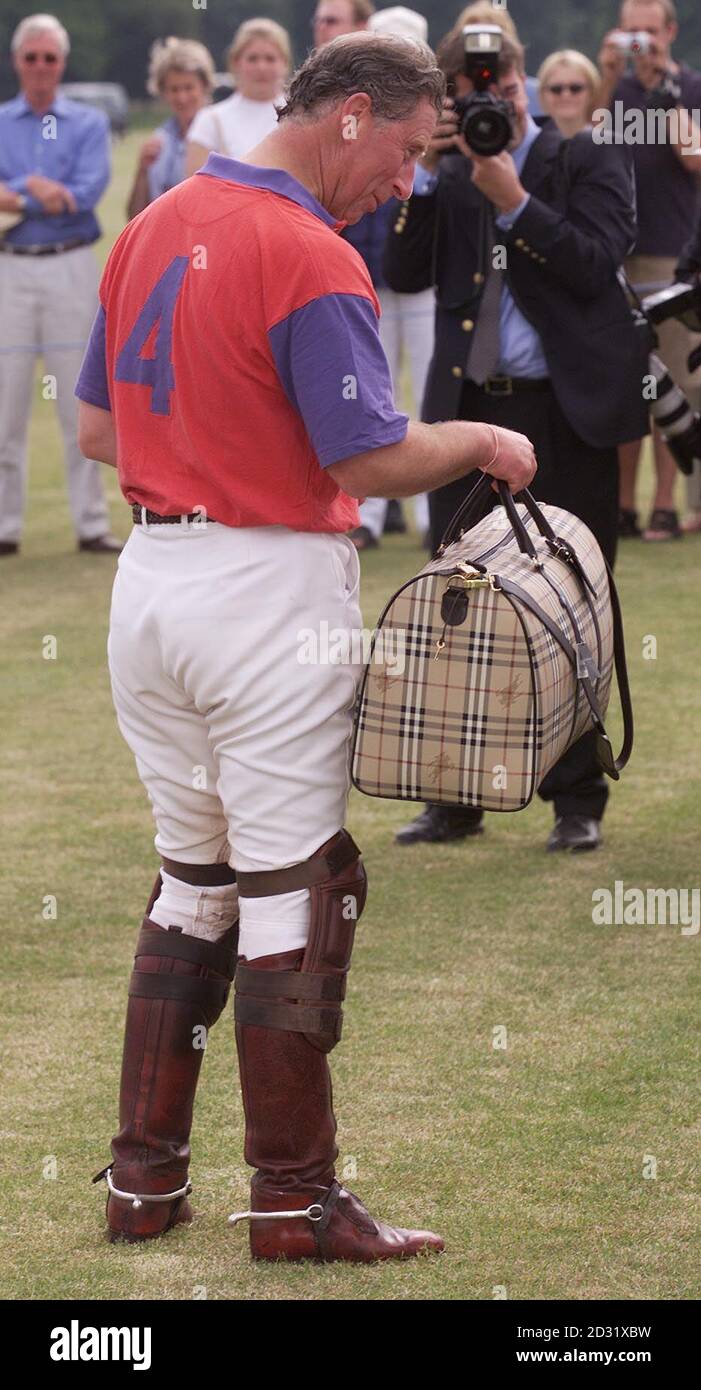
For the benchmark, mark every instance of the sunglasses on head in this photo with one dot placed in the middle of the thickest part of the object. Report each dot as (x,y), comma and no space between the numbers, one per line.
(574,88)
(34,57)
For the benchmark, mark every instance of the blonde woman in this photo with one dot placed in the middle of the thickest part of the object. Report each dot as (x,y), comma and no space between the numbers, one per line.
(259,59)
(567,83)
(181,73)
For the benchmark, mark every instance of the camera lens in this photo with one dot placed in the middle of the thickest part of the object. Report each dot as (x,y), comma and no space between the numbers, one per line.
(486,128)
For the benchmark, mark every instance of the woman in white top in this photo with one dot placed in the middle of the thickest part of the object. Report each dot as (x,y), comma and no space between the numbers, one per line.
(259,59)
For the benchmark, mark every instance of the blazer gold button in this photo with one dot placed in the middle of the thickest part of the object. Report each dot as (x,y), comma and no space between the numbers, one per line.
(399,226)
(541,260)
(457,371)
(477,279)
(520,242)
(468,325)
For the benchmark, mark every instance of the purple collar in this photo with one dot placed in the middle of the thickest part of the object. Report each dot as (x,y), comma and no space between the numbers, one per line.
(275,180)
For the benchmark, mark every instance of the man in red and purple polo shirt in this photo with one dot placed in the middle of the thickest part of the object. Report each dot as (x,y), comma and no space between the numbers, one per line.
(236,380)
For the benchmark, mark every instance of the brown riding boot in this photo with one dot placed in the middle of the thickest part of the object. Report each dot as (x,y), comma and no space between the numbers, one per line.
(178,989)
(290,1126)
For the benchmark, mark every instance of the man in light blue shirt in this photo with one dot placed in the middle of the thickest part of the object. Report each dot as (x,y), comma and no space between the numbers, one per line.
(54,168)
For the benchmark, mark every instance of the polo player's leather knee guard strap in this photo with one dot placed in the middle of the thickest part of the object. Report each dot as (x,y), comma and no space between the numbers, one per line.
(208,991)
(308,999)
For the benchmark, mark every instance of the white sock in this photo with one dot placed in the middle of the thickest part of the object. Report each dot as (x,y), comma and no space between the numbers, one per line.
(201,911)
(271,925)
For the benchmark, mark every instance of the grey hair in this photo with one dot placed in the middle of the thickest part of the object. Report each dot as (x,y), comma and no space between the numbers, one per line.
(40,24)
(394,72)
(178,55)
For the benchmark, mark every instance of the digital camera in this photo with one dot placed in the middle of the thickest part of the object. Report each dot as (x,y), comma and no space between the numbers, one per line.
(634,45)
(485,120)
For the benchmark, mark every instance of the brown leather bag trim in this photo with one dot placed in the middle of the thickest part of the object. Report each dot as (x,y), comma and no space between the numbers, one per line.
(288,984)
(319,868)
(216,955)
(292,1018)
(202,875)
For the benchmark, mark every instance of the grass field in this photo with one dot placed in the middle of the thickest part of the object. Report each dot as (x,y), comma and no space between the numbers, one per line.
(530,1160)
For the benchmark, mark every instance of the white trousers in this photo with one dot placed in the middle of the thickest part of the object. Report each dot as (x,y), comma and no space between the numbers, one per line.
(240,725)
(406,327)
(47,306)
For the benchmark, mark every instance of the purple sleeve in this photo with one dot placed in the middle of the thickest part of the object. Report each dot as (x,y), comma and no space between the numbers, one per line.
(334,371)
(91,385)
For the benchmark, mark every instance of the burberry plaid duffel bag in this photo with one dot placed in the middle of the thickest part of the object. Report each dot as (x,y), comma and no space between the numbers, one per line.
(487,666)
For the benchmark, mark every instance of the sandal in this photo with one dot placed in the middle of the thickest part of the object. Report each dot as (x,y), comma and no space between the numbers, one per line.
(628,528)
(664,526)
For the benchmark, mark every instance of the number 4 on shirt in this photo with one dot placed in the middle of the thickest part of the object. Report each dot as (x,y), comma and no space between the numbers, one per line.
(157,371)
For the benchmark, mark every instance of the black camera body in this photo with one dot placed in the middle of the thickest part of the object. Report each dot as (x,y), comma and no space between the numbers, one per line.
(485,120)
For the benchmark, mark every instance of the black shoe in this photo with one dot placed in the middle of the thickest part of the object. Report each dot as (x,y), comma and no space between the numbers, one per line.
(9,547)
(102,545)
(439,824)
(576,833)
(363,538)
(628,528)
(394,519)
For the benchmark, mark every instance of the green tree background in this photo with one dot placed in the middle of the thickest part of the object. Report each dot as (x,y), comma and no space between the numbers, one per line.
(111,38)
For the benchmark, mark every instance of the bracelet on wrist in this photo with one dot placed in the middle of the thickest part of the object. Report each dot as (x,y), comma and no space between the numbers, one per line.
(486,468)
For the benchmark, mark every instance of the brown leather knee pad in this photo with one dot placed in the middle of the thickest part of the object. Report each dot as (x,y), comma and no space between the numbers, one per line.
(309,999)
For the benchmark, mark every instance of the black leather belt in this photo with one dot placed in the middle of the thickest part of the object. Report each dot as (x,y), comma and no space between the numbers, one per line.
(143,517)
(51,249)
(511,385)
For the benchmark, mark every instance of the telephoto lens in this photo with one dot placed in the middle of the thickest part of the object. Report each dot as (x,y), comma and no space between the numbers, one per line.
(679,424)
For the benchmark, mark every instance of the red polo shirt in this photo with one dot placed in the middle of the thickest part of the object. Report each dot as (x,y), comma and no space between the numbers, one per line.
(237,346)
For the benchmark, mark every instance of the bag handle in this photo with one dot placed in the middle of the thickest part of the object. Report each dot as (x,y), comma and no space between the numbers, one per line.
(475,500)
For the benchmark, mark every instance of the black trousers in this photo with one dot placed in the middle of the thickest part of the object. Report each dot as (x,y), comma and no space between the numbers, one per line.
(582,479)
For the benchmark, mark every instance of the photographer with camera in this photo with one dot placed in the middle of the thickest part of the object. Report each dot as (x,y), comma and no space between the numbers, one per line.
(640,74)
(523,241)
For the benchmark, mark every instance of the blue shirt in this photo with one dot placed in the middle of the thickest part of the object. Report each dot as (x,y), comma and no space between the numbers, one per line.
(169,168)
(70,143)
(521,348)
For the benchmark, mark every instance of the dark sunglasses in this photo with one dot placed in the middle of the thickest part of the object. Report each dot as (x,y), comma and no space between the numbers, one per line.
(574,88)
(34,57)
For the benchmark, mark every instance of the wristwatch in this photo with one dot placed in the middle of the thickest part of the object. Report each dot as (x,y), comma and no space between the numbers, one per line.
(21,202)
